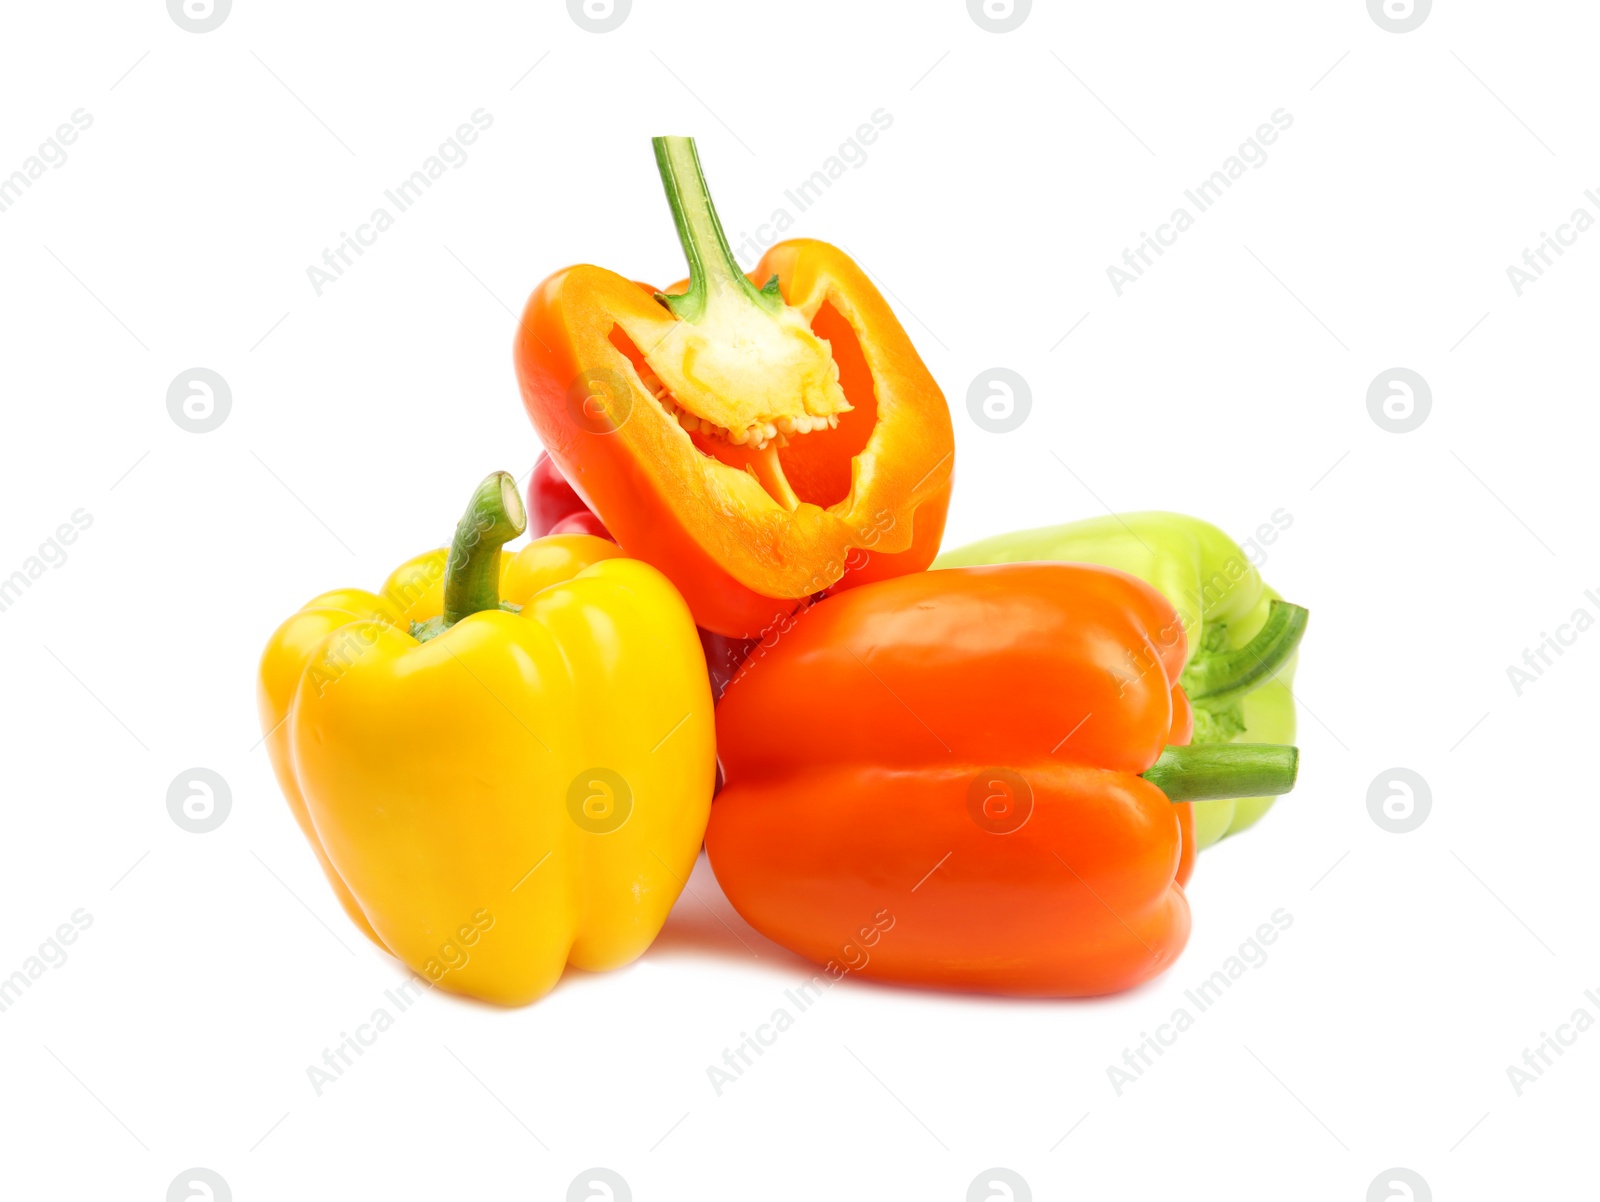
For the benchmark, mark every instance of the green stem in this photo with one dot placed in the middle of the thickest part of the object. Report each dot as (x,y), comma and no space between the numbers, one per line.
(493,518)
(1228,675)
(1207,771)
(713,271)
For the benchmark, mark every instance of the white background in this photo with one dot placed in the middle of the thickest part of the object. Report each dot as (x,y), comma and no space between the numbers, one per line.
(1230,382)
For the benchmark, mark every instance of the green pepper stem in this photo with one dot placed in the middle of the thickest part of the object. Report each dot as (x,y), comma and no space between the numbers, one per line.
(494,517)
(1207,771)
(714,273)
(1228,675)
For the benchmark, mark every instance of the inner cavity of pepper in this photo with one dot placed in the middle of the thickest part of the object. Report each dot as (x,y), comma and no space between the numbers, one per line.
(796,438)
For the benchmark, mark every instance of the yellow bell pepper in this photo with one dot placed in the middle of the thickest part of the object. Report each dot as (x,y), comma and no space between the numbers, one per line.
(497,789)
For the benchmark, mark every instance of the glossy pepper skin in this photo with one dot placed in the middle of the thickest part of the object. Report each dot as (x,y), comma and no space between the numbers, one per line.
(553,508)
(498,789)
(940,775)
(1224,606)
(754,443)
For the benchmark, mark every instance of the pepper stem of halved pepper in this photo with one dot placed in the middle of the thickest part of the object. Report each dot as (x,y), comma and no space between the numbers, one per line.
(1208,771)
(743,372)
(494,517)
(1228,675)
(714,273)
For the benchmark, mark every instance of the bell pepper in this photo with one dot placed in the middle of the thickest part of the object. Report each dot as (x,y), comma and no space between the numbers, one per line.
(754,441)
(1242,636)
(996,800)
(553,508)
(504,763)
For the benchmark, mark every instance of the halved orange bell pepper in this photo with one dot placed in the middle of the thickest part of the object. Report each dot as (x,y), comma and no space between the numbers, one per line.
(967,779)
(753,443)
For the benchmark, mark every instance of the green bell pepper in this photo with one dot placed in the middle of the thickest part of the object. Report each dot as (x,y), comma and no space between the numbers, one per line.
(1242,636)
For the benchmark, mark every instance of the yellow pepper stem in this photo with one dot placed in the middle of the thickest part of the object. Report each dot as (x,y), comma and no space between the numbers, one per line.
(494,517)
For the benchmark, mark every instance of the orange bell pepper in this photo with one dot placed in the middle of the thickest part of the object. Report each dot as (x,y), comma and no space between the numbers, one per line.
(967,779)
(753,443)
